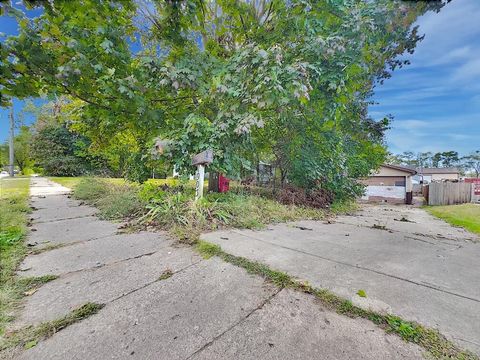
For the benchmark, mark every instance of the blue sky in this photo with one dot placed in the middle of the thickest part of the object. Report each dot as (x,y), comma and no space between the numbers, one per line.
(435,101)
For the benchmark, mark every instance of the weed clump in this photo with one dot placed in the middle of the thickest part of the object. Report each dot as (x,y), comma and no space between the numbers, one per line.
(28,337)
(165,275)
(362,293)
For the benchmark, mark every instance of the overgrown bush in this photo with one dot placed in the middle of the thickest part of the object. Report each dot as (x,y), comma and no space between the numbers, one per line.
(115,201)
(174,209)
(187,218)
(290,195)
(316,198)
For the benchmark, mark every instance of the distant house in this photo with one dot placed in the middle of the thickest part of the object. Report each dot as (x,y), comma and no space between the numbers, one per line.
(427,175)
(390,184)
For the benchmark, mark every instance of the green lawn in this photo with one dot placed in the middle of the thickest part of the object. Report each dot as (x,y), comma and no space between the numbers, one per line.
(465,215)
(13,225)
(72,182)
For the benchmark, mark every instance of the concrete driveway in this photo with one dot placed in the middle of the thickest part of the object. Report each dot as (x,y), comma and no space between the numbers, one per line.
(408,263)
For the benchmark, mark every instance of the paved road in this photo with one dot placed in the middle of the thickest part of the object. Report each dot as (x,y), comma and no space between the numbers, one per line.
(208,309)
(411,264)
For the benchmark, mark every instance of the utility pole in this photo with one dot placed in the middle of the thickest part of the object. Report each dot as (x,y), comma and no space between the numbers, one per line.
(11,152)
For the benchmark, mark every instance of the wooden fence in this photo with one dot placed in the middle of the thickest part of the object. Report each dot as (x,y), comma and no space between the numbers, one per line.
(449,193)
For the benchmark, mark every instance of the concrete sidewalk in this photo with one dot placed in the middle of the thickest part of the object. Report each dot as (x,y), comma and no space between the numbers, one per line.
(207,309)
(414,266)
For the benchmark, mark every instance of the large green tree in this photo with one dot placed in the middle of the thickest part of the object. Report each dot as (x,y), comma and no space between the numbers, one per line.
(57,149)
(290,79)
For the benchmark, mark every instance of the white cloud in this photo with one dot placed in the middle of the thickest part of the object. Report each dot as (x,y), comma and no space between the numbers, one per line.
(412,124)
(456,23)
(435,101)
(470,70)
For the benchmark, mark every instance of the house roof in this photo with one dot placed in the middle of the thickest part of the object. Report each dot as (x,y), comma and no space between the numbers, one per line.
(401,168)
(451,170)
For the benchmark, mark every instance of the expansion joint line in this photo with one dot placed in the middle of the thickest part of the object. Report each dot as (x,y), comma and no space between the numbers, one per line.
(259,307)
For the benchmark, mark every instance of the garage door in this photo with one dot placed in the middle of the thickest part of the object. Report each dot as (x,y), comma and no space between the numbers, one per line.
(382,191)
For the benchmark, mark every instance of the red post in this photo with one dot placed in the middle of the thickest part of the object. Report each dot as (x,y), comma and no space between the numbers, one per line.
(223,183)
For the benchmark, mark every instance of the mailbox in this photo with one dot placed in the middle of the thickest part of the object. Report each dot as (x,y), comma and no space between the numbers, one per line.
(203,158)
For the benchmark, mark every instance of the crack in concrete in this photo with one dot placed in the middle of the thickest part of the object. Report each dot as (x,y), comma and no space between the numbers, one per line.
(153,282)
(234,325)
(70,243)
(455,246)
(467,341)
(107,264)
(34,222)
(362,268)
(431,236)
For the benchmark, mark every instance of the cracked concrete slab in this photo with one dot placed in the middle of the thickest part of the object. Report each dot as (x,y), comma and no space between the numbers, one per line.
(296,326)
(430,280)
(407,219)
(101,285)
(50,214)
(91,254)
(69,231)
(169,319)
(54,201)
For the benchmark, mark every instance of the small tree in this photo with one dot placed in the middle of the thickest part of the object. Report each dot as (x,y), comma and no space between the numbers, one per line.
(21,145)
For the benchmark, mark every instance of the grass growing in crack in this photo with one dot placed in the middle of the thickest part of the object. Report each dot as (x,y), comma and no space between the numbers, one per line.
(34,282)
(46,248)
(431,340)
(165,275)
(379,227)
(29,336)
(13,224)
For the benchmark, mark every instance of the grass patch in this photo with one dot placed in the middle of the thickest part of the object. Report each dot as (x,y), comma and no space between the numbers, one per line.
(344,207)
(14,207)
(114,199)
(69,182)
(464,215)
(29,337)
(431,340)
(72,182)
